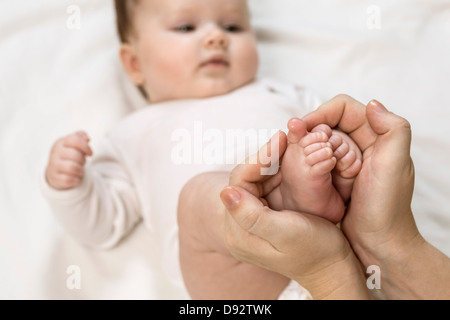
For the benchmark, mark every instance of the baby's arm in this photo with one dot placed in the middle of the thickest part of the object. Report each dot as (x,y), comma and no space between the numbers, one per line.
(96,204)
(209,270)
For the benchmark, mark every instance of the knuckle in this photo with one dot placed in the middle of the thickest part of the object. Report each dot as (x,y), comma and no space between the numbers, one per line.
(405,124)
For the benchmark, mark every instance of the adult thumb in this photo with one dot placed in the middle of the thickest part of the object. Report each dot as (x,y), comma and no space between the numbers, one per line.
(391,127)
(251,214)
(382,121)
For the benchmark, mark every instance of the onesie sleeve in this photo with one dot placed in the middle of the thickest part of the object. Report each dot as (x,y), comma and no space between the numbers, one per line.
(104,208)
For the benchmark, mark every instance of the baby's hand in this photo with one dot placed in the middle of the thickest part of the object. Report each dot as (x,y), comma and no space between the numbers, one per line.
(65,168)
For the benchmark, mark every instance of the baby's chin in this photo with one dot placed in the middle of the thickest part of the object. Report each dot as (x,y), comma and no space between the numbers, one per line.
(218,88)
(201,90)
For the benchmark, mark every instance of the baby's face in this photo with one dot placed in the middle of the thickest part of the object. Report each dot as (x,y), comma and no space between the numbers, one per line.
(193,48)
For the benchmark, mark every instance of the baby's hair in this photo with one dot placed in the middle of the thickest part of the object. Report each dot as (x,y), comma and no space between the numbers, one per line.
(125,27)
(124,18)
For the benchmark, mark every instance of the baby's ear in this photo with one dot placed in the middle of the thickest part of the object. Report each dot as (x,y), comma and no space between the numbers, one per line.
(130,63)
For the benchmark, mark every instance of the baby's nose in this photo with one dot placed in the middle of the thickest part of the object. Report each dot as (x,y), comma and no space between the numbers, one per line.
(216,39)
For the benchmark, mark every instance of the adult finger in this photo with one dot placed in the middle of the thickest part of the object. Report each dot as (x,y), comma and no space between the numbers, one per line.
(261,166)
(255,218)
(348,115)
(390,126)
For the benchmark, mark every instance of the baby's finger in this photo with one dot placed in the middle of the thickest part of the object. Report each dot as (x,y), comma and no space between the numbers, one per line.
(62,181)
(79,143)
(67,167)
(66,181)
(72,154)
(83,135)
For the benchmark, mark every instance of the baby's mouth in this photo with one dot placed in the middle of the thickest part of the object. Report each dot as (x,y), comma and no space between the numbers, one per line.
(216,62)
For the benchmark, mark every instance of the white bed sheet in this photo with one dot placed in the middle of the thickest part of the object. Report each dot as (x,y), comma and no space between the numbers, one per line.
(56,79)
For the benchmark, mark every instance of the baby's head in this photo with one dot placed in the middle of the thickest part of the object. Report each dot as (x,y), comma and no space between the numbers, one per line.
(183,49)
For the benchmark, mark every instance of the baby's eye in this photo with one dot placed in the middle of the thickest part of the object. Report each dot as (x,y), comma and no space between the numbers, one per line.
(185,28)
(233,28)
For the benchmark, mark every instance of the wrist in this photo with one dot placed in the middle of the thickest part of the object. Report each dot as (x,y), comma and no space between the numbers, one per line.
(342,280)
(417,271)
(385,247)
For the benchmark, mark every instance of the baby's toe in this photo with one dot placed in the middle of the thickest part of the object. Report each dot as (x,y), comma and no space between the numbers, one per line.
(336,141)
(316,147)
(323,128)
(342,150)
(346,161)
(349,165)
(319,156)
(297,130)
(353,170)
(323,167)
(313,138)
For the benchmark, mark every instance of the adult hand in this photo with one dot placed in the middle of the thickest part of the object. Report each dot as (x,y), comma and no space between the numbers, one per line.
(379,221)
(306,248)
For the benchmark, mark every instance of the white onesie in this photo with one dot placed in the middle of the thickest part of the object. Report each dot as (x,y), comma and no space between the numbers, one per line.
(145,161)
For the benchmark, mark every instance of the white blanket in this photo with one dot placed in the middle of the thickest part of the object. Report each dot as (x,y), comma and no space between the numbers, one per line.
(60,73)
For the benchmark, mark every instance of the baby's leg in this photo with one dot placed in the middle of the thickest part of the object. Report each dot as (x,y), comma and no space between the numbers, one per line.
(209,270)
(307,184)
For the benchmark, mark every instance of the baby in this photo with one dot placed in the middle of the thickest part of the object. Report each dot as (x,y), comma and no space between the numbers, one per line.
(196,61)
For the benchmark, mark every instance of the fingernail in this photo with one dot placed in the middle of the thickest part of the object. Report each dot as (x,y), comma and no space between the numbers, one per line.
(231,198)
(378,106)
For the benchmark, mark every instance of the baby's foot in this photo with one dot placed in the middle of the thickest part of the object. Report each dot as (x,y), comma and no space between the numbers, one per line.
(349,163)
(307,184)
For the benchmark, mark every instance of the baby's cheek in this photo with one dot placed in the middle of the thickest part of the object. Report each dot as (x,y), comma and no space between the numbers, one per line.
(163,73)
(248,60)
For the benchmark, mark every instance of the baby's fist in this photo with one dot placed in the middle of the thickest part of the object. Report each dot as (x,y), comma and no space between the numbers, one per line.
(65,168)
